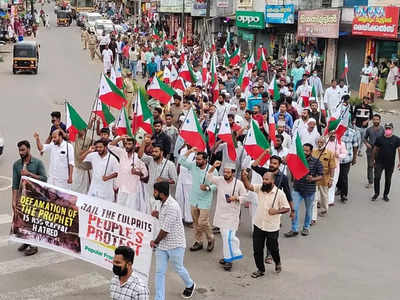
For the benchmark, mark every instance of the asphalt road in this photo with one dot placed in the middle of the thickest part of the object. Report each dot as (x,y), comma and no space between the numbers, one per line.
(351,254)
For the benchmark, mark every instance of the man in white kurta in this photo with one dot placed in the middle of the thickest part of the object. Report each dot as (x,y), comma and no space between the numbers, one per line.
(131,170)
(332,97)
(107,55)
(230,193)
(184,187)
(310,134)
(104,169)
(61,159)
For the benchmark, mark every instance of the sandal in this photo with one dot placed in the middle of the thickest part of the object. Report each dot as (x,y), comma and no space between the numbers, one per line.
(257,274)
(228,266)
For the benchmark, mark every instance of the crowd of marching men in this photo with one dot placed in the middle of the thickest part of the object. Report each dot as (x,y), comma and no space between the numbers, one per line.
(215,147)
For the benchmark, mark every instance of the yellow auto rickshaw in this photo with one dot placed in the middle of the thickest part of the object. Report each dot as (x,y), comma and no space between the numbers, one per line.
(63,17)
(26,56)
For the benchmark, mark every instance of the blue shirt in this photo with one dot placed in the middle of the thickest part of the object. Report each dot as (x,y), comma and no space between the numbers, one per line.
(253,100)
(297,74)
(198,198)
(288,119)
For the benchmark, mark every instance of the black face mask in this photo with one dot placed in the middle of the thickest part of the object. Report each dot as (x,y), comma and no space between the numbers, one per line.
(266,187)
(117,270)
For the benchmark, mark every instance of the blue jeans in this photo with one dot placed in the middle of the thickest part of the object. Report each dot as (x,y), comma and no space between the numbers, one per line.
(175,256)
(308,201)
(133,67)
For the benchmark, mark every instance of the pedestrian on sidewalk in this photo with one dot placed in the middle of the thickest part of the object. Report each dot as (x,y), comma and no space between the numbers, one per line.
(384,156)
(28,166)
(170,243)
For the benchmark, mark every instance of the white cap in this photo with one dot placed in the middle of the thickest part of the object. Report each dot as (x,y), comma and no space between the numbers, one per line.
(311,120)
(229,165)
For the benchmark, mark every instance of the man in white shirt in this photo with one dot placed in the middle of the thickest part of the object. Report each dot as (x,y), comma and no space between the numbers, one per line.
(222,108)
(301,123)
(287,140)
(344,90)
(315,81)
(104,169)
(280,151)
(104,40)
(61,159)
(332,97)
(309,134)
(107,55)
(131,170)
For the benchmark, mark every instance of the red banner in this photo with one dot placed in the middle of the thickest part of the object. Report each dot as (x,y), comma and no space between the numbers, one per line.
(376,21)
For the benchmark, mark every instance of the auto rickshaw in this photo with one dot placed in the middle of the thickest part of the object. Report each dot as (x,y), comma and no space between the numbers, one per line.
(63,18)
(26,56)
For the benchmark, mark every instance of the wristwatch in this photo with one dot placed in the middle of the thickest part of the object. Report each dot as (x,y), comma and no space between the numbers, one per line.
(208,188)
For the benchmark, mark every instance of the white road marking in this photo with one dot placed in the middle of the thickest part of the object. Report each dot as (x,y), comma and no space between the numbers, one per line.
(9,179)
(5,219)
(59,288)
(40,259)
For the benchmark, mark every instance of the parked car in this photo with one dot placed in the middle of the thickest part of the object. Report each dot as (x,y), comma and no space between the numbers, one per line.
(103,25)
(91,19)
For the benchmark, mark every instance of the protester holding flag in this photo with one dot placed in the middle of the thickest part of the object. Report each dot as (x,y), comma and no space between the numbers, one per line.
(230,193)
(304,186)
(272,203)
(131,171)
(200,197)
(104,169)
(160,168)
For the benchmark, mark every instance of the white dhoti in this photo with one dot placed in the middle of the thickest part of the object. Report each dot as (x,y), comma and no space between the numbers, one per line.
(231,245)
(331,192)
(59,182)
(80,181)
(128,199)
(142,199)
(107,66)
(315,205)
(182,197)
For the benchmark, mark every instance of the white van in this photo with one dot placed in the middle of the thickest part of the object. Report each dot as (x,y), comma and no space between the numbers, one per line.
(91,19)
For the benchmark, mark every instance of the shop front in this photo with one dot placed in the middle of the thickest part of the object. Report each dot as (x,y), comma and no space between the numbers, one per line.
(379,26)
(281,30)
(249,24)
(319,31)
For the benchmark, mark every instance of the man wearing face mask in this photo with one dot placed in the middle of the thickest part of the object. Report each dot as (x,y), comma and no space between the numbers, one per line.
(170,243)
(272,203)
(315,81)
(125,284)
(26,166)
(384,156)
(304,189)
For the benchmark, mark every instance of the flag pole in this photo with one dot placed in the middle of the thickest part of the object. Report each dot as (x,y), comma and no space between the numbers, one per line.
(134,127)
(279,184)
(108,160)
(240,165)
(67,137)
(90,116)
